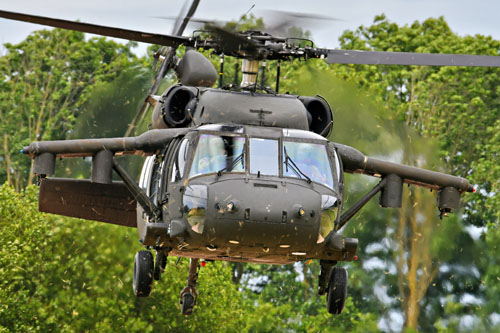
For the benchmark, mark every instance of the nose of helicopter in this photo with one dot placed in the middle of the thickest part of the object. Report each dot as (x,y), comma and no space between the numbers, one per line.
(263,214)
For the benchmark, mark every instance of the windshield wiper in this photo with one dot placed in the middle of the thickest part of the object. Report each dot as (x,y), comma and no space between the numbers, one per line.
(294,167)
(238,159)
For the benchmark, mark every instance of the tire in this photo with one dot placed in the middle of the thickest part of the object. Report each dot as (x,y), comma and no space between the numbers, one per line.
(337,290)
(187,304)
(143,273)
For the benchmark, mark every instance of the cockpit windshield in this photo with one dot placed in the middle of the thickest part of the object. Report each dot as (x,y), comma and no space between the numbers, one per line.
(307,160)
(226,153)
(218,153)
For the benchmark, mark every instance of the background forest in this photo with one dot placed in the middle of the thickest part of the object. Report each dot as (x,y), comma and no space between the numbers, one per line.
(415,272)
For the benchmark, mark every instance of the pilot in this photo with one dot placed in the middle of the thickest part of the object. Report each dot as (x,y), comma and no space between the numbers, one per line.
(204,164)
(308,164)
(196,219)
(210,156)
(327,223)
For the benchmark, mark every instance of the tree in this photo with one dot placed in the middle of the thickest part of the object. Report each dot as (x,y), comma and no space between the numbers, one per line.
(45,81)
(59,273)
(416,266)
(457,107)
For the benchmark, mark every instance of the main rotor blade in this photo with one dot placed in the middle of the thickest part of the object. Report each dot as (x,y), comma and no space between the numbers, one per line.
(230,42)
(165,66)
(189,15)
(408,58)
(280,22)
(134,35)
(178,18)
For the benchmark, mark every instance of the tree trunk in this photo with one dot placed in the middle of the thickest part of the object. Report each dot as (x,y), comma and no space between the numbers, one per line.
(415,265)
(8,163)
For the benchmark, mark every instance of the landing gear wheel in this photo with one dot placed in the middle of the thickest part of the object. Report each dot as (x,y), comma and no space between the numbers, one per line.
(187,304)
(143,273)
(160,264)
(337,290)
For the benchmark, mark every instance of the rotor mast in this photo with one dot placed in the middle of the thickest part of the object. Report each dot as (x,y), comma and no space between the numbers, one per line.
(249,70)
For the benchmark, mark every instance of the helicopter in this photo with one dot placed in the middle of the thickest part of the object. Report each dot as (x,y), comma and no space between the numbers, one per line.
(236,173)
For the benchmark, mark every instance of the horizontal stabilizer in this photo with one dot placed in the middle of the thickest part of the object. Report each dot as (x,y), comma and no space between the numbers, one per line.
(110,203)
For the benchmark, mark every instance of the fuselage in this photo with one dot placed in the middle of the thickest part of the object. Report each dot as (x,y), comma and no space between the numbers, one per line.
(246,193)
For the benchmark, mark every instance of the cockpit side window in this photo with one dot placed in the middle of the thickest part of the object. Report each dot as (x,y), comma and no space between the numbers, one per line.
(301,159)
(218,153)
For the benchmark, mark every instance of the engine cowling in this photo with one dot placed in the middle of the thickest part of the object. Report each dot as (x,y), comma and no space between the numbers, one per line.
(174,107)
(320,115)
(183,106)
(194,69)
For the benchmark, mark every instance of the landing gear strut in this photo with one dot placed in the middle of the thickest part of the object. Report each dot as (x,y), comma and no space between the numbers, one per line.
(160,263)
(326,268)
(189,293)
(333,281)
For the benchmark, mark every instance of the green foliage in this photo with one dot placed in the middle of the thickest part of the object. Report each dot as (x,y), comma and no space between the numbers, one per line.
(72,275)
(62,274)
(24,239)
(286,299)
(107,113)
(44,83)
(459,107)
(456,105)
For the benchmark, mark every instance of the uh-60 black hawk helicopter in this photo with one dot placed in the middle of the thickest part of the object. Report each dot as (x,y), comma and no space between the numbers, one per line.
(237,173)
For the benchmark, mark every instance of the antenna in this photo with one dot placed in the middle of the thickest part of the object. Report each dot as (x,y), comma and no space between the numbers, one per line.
(221,71)
(248,11)
(278,70)
(236,70)
(263,77)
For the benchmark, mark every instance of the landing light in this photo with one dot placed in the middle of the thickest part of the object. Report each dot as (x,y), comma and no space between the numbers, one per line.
(301,211)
